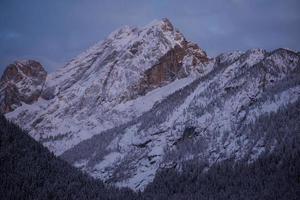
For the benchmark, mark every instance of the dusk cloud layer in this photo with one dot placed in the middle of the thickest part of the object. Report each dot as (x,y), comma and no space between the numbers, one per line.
(55,31)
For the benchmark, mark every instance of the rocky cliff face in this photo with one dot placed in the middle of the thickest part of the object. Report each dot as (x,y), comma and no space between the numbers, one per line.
(21,82)
(146,99)
(129,63)
(178,62)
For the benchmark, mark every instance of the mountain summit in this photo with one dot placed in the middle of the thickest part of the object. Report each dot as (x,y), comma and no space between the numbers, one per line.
(129,63)
(22,81)
(146,99)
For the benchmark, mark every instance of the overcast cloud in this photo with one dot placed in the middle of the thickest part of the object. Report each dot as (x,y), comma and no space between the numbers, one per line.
(54,31)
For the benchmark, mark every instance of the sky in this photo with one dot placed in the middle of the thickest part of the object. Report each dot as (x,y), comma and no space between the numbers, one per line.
(55,31)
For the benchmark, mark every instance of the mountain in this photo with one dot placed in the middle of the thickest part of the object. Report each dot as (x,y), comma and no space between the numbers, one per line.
(273,175)
(146,99)
(129,63)
(22,81)
(29,171)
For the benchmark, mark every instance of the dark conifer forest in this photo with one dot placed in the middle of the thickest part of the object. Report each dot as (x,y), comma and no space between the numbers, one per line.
(29,171)
(274,175)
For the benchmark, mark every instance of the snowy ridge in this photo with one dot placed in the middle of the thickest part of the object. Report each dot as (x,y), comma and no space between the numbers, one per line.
(201,120)
(145,99)
(97,81)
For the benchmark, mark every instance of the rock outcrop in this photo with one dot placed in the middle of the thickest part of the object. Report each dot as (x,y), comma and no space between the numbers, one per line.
(21,82)
(179,62)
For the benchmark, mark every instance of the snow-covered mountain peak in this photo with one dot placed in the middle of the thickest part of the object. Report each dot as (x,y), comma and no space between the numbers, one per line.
(121,60)
(157,29)
(145,98)
(228,57)
(130,63)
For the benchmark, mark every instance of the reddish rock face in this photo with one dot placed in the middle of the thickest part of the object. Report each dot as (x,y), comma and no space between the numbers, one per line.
(170,67)
(22,81)
(178,62)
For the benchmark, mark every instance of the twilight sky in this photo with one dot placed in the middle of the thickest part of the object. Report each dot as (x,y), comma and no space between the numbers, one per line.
(54,31)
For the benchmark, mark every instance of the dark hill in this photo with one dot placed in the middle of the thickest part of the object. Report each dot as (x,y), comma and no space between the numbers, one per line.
(29,171)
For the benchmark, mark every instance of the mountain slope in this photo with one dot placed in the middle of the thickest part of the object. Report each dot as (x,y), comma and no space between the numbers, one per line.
(145,99)
(273,175)
(131,62)
(29,171)
(208,119)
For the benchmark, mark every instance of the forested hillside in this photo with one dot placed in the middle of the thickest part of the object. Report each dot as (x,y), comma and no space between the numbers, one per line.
(274,175)
(29,171)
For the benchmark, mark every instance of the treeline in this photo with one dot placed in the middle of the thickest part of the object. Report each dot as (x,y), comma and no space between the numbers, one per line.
(29,171)
(271,177)
(274,175)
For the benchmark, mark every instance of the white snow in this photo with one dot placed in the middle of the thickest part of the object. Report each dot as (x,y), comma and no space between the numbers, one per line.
(91,96)
(147,101)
